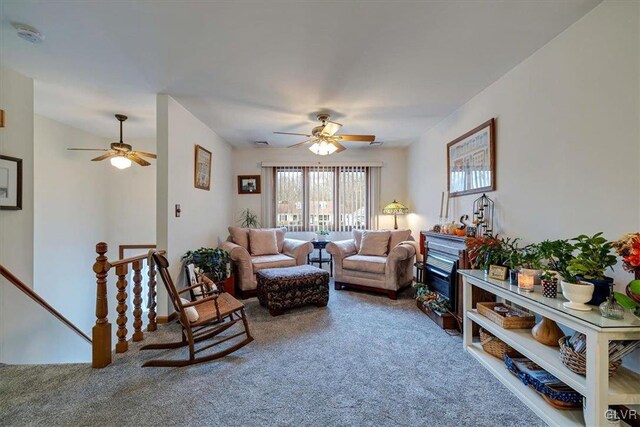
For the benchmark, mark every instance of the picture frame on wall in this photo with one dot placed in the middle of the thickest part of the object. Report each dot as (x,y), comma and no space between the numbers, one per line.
(471,161)
(10,183)
(248,184)
(202,175)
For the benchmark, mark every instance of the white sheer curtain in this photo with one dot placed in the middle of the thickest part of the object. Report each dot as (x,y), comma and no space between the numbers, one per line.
(373,199)
(267,210)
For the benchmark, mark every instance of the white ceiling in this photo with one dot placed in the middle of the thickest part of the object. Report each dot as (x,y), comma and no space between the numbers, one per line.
(248,68)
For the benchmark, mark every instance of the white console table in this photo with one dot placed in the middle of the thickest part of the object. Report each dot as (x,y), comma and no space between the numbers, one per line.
(599,390)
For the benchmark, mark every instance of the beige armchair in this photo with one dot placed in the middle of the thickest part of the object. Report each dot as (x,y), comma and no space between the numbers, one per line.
(384,272)
(290,252)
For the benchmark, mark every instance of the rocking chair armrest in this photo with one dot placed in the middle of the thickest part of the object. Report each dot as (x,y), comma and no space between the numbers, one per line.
(197,285)
(201,301)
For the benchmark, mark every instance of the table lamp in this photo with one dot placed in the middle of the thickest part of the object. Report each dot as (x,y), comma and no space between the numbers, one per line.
(394,208)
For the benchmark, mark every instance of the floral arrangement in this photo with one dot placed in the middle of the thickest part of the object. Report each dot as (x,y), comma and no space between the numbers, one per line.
(628,248)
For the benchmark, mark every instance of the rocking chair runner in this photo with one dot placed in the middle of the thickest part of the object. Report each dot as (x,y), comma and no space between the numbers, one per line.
(217,313)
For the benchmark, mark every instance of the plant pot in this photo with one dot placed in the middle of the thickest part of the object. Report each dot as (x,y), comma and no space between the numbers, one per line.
(601,291)
(550,288)
(577,294)
(321,237)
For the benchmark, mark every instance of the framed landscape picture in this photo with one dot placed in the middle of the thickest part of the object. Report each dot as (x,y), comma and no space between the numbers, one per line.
(10,183)
(248,184)
(202,177)
(471,162)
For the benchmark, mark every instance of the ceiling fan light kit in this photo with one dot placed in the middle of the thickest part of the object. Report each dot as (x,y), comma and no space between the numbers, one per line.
(324,139)
(120,154)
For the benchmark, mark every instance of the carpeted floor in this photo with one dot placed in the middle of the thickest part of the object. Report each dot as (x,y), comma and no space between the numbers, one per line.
(362,361)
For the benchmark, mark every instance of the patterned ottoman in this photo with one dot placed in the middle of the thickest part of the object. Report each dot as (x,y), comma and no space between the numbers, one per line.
(283,288)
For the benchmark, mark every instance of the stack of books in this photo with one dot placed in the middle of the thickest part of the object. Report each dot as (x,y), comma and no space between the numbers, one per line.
(617,349)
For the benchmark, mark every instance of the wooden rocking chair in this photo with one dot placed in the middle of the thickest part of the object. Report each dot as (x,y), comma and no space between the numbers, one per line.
(217,313)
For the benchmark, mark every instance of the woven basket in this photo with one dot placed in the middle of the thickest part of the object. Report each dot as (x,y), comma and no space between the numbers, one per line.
(495,346)
(577,362)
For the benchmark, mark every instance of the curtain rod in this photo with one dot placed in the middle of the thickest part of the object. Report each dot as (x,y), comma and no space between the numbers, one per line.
(307,163)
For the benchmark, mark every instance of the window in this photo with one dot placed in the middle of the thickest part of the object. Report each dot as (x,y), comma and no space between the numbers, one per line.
(321,198)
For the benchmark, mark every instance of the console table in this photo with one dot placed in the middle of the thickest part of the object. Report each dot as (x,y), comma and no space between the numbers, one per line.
(600,391)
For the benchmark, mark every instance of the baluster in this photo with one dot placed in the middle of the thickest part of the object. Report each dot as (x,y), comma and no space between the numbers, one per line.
(152,325)
(137,301)
(122,345)
(101,332)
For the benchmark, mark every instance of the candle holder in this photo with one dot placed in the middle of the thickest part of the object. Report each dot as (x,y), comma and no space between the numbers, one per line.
(526,281)
(483,215)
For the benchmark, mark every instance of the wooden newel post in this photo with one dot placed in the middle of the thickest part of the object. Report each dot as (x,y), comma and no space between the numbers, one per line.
(152,325)
(101,332)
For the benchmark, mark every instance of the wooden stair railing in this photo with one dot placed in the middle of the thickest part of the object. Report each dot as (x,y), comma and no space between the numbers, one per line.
(102,349)
(4,272)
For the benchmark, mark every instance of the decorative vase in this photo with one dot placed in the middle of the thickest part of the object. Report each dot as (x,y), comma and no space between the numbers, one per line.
(550,288)
(547,332)
(610,309)
(577,294)
(321,237)
(601,289)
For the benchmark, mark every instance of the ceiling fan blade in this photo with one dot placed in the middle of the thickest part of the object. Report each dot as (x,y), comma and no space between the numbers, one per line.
(144,154)
(88,149)
(297,134)
(339,146)
(138,160)
(300,143)
(330,128)
(104,156)
(364,138)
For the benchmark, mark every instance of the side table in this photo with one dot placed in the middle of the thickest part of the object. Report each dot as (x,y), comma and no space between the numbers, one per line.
(320,245)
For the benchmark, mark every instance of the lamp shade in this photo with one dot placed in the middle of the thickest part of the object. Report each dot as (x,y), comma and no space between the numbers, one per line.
(395,208)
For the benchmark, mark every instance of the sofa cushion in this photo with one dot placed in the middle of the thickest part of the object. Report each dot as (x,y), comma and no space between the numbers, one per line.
(374,243)
(191,312)
(397,237)
(263,242)
(366,263)
(239,236)
(357,238)
(271,261)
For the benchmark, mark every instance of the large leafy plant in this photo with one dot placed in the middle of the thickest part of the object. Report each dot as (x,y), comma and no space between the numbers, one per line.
(209,260)
(632,299)
(484,251)
(531,257)
(248,219)
(594,257)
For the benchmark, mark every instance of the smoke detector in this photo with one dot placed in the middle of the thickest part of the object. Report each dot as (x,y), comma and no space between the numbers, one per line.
(261,143)
(28,33)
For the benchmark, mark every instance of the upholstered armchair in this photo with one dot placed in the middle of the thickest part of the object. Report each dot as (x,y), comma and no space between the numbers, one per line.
(386,266)
(252,250)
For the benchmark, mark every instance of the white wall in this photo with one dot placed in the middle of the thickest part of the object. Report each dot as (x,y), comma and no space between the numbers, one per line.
(247,161)
(568,141)
(41,339)
(205,214)
(568,138)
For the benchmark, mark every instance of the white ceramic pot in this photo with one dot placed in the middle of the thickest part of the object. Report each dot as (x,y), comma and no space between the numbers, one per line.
(577,294)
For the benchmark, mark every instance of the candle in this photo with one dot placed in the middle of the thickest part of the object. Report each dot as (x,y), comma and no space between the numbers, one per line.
(441,203)
(526,282)
(446,212)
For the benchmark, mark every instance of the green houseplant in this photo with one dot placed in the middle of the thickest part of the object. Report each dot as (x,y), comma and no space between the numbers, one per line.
(593,258)
(556,254)
(486,250)
(214,263)
(248,219)
(513,258)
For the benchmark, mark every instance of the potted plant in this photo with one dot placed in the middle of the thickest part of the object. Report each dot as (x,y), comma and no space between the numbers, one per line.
(513,258)
(321,235)
(531,263)
(591,262)
(628,248)
(484,251)
(214,263)
(248,219)
(549,281)
(556,254)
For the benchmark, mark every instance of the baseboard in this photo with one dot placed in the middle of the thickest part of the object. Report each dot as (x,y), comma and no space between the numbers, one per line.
(167,319)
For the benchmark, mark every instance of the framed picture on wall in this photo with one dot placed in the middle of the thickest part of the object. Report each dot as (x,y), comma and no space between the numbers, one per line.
(10,183)
(248,184)
(202,176)
(471,161)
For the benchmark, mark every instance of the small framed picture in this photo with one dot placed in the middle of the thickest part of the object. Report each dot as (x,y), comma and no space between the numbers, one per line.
(472,231)
(202,173)
(248,184)
(10,183)
(497,272)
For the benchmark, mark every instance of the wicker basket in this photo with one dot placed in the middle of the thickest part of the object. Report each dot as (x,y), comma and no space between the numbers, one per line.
(495,346)
(577,362)
(524,320)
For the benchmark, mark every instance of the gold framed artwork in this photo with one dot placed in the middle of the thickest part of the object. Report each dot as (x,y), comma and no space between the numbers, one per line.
(202,174)
(248,184)
(497,272)
(471,161)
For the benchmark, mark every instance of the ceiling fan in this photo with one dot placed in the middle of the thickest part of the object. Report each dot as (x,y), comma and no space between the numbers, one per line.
(121,154)
(324,138)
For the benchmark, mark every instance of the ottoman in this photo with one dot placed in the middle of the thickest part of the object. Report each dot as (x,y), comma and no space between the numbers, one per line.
(282,288)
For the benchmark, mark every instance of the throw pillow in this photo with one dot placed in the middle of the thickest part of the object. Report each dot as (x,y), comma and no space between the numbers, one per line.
(279,236)
(357,238)
(191,312)
(397,237)
(240,236)
(263,242)
(375,243)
